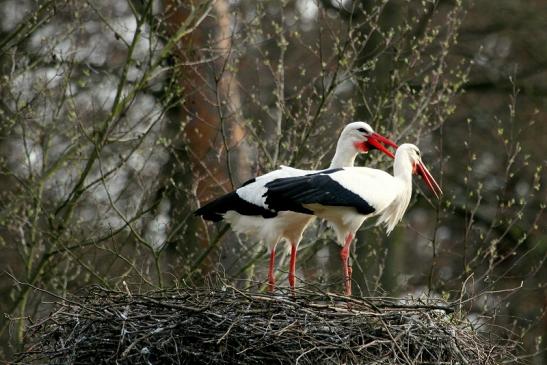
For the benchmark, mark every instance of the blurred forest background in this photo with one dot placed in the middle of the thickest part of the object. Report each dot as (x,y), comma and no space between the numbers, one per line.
(119,118)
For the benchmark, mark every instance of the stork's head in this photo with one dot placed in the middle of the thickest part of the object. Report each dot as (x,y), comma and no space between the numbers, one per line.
(362,137)
(412,152)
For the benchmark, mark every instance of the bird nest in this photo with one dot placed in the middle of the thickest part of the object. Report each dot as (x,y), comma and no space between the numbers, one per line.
(225,325)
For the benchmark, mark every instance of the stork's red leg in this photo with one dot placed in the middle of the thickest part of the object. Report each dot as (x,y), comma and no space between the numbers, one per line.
(271,276)
(344,255)
(292,267)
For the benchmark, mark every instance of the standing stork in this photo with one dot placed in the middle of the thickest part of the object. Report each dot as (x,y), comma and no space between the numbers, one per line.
(345,197)
(246,210)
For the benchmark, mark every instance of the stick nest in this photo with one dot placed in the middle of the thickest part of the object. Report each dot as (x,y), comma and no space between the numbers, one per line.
(226,325)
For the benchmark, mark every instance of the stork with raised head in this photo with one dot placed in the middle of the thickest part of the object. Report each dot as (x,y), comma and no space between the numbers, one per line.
(345,197)
(246,210)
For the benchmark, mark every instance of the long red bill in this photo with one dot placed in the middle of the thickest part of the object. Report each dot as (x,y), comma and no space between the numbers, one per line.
(378,141)
(429,180)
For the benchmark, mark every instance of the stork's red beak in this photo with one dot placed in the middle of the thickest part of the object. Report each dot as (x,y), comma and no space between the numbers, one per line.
(429,180)
(379,142)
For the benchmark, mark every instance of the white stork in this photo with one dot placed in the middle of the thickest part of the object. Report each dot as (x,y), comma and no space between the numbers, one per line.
(345,197)
(247,212)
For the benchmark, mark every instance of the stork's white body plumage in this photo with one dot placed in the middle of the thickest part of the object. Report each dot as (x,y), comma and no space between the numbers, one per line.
(285,225)
(247,211)
(386,194)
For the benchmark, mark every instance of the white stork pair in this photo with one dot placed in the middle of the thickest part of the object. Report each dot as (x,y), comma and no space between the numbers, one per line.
(281,204)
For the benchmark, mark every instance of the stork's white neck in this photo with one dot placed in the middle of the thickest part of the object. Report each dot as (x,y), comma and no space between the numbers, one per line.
(402,167)
(402,173)
(345,154)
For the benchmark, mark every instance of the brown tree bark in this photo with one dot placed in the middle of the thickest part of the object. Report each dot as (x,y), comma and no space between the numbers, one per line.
(214,156)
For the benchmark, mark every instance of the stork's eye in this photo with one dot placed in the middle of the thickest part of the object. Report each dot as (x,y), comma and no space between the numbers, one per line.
(363,130)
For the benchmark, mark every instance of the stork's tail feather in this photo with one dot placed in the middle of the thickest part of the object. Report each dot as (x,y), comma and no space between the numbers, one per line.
(215,210)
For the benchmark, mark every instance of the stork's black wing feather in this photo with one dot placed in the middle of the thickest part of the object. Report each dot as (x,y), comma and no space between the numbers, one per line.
(214,210)
(293,192)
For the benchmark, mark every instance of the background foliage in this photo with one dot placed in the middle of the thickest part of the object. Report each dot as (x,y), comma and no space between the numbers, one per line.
(118,119)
